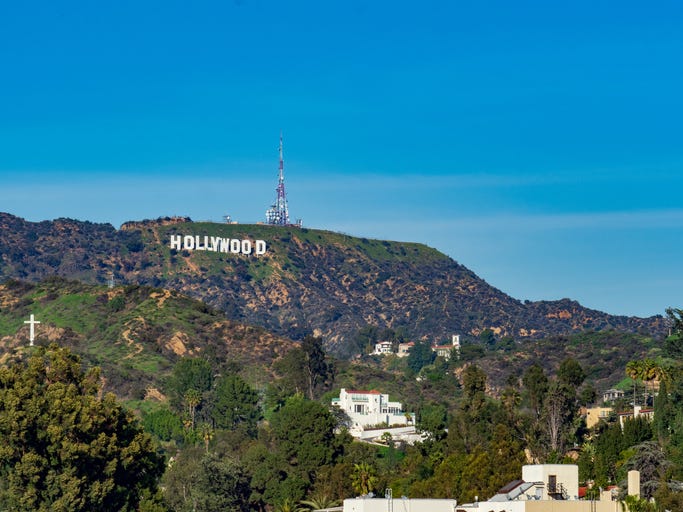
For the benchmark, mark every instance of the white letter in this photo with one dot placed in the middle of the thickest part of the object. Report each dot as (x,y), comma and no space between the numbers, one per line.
(225,244)
(234,246)
(189,242)
(260,247)
(176,242)
(215,243)
(246,246)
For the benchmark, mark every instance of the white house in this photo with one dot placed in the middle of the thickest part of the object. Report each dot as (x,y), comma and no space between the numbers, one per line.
(612,394)
(369,408)
(383,347)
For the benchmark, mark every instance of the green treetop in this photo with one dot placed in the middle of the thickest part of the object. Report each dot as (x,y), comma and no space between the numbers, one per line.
(64,446)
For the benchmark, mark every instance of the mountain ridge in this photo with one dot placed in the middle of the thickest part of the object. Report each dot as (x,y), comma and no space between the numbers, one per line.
(309,281)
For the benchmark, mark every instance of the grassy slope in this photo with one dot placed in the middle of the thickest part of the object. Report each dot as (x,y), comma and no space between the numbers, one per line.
(135,334)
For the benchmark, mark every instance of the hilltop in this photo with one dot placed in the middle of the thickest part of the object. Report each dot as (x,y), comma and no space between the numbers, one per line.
(308,281)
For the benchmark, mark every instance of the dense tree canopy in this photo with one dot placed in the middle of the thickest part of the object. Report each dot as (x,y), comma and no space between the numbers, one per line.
(65,447)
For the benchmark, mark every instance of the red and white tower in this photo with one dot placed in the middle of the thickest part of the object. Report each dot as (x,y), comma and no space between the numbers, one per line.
(278,213)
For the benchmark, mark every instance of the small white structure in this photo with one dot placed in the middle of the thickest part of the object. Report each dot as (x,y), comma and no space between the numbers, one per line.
(612,394)
(371,408)
(32,328)
(382,348)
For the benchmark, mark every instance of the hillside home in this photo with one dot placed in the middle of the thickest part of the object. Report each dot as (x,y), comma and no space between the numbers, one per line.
(637,411)
(382,348)
(612,394)
(444,351)
(595,414)
(371,408)
(404,348)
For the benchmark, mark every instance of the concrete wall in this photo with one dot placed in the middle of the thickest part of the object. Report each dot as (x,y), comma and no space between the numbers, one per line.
(399,505)
(427,505)
(566,474)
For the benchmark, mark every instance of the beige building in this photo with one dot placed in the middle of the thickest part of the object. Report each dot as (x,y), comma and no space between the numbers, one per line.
(595,414)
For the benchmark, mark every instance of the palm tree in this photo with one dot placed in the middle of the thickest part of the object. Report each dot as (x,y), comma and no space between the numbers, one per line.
(634,370)
(636,504)
(192,398)
(318,502)
(363,478)
(287,505)
(648,373)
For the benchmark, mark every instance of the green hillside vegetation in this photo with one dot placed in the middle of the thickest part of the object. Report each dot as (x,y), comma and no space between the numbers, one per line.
(135,334)
(245,415)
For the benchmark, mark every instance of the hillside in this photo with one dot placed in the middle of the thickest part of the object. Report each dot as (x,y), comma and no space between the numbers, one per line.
(134,333)
(307,281)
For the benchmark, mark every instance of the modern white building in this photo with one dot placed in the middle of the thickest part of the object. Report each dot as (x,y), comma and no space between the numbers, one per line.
(371,408)
(382,348)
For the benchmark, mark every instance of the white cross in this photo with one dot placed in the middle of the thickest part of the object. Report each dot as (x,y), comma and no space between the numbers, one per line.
(32,322)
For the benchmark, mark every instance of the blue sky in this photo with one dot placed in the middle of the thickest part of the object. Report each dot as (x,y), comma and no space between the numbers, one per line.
(538,144)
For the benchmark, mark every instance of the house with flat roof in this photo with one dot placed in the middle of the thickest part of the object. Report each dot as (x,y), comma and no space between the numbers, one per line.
(372,415)
(383,348)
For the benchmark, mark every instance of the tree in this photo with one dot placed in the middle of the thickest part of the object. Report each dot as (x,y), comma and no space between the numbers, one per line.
(571,373)
(674,343)
(235,404)
(420,355)
(317,370)
(191,380)
(634,371)
(64,446)
(319,501)
(487,338)
(198,482)
(191,373)
(558,413)
(304,434)
(474,387)
(363,478)
(164,424)
(433,420)
(651,461)
(536,384)
(304,369)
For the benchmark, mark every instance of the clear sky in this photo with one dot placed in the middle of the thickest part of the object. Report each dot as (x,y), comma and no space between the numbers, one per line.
(538,144)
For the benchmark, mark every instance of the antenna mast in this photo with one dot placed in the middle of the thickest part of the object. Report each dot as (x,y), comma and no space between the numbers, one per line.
(278,213)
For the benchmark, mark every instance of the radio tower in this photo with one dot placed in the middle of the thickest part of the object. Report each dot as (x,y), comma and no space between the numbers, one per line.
(278,213)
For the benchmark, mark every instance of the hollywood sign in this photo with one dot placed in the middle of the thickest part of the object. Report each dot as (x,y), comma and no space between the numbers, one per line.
(217,244)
